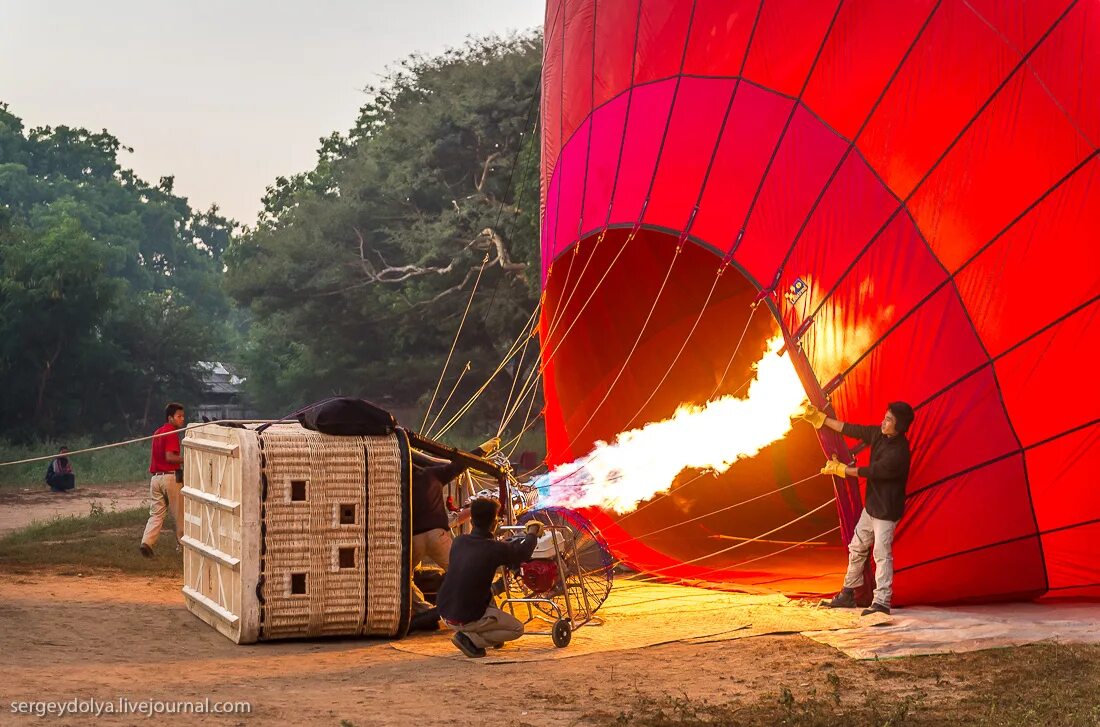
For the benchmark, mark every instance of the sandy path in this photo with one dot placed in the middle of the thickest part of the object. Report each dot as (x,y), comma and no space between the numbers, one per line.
(19,508)
(108,636)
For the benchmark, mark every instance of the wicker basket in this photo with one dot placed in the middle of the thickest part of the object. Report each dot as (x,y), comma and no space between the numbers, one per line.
(292,533)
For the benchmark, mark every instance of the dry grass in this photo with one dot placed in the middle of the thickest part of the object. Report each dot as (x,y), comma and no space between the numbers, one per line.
(101,540)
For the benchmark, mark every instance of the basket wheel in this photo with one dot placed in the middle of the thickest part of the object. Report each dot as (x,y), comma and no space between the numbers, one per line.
(562,633)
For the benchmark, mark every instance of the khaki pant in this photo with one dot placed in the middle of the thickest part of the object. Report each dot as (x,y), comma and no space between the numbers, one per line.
(492,629)
(164,497)
(436,545)
(880,533)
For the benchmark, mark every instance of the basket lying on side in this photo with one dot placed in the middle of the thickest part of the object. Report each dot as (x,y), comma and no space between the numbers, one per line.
(292,533)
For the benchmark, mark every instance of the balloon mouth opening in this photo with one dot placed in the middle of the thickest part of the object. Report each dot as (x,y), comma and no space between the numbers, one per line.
(633,329)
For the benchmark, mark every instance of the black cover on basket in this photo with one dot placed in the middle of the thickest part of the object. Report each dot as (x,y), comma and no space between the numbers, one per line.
(348,417)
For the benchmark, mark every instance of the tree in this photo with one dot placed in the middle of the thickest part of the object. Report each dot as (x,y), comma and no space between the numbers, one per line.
(359,270)
(110,288)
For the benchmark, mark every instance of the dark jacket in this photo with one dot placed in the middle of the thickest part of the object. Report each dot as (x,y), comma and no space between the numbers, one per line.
(467,588)
(429,512)
(886,474)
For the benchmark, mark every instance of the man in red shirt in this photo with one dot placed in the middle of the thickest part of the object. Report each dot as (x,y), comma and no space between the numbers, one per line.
(164,491)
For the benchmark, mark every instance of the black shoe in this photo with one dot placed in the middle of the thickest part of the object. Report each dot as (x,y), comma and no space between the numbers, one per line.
(845,599)
(146,551)
(466,646)
(876,608)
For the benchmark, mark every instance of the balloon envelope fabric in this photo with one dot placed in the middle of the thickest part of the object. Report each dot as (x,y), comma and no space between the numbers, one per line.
(913,191)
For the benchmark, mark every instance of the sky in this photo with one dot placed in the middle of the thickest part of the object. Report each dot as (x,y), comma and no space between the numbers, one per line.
(225,96)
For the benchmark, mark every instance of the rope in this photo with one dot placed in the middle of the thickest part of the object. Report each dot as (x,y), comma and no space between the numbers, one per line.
(132,441)
(461,323)
(724,509)
(465,370)
(743,543)
(485,385)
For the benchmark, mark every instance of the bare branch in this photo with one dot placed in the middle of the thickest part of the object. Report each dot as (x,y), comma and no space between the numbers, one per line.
(480,185)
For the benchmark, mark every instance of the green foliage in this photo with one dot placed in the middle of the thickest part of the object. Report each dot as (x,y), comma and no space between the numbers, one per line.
(359,270)
(110,288)
(107,466)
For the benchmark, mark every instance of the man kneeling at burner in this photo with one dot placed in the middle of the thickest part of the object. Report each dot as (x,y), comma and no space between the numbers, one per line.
(465,599)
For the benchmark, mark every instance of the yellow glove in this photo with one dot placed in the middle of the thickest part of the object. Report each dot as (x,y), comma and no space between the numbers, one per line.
(812,414)
(534,528)
(490,446)
(834,467)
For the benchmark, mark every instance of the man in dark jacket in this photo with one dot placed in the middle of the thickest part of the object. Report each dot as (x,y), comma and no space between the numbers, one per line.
(887,474)
(431,525)
(466,596)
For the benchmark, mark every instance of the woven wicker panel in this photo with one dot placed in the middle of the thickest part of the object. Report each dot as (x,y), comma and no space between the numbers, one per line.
(305,538)
(387,534)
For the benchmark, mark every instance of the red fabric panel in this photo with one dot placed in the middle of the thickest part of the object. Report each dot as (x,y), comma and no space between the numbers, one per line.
(1009,572)
(662,35)
(993,173)
(1063,479)
(719,35)
(576,102)
(854,207)
(550,223)
(954,516)
(550,114)
(1043,390)
(1068,64)
(911,364)
(999,286)
(603,159)
(644,129)
(866,45)
(751,133)
(571,166)
(891,278)
(937,92)
(692,135)
(788,36)
(807,155)
(963,427)
(1071,559)
(616,25)
(1021,23)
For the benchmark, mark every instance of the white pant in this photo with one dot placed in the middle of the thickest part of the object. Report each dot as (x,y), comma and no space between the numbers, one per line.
(436,545)
(492,629)
(870,530)
(164,497)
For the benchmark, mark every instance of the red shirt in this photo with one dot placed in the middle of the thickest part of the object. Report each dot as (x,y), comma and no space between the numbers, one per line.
(158,463)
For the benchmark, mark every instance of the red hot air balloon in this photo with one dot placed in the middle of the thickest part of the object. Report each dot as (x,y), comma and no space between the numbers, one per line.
(912,192)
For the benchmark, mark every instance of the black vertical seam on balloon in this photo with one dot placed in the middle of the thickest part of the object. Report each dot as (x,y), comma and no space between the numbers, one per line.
(725,116)
(786,126)
(958,137)
(561,128)
(626,115)
(590,120)
(671,111)
(1002,457)
(1038,535)
(859,132)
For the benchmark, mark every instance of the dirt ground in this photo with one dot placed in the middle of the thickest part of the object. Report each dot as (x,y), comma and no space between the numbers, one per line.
(107,636)
(20,507)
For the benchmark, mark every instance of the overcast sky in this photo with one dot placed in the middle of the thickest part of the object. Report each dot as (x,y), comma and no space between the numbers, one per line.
(224,95)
